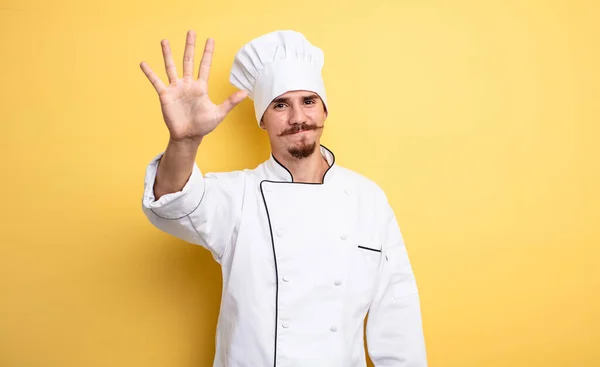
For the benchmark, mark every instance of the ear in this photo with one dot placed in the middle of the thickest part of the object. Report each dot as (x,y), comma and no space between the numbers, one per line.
(262,124)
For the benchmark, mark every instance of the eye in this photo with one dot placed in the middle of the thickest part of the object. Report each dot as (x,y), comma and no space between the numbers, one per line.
(310,101)
(279,105)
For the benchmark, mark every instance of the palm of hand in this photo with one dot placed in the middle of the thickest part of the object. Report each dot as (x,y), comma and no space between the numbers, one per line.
(186,107)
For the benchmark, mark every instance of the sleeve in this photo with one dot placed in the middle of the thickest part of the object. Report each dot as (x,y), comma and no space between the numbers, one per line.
(205,212)
(394,325)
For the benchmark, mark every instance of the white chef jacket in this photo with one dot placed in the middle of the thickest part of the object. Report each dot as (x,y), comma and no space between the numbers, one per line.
(302,264)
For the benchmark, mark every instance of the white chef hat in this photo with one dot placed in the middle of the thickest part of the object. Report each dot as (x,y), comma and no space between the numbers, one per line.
(275,63)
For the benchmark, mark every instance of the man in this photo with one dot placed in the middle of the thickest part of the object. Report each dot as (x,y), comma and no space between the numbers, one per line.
(306,247)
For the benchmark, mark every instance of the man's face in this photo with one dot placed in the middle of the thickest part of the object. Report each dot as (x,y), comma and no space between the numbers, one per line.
(294,122)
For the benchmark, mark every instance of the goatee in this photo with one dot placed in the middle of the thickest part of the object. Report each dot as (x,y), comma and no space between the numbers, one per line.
(305,150)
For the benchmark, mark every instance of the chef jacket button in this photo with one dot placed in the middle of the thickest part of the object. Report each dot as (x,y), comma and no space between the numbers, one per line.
(285,324)
(348,191)
(338,282)
(344,237)
(280,232)
(333,328)
(286,279)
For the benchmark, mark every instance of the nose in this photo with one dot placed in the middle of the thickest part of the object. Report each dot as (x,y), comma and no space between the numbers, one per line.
(298,116)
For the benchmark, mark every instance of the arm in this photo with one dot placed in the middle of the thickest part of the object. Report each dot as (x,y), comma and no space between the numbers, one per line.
(177,198)
(206,210)
(394,326)
(175,168)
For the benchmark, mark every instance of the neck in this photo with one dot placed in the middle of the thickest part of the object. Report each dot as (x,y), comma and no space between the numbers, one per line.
(309,170)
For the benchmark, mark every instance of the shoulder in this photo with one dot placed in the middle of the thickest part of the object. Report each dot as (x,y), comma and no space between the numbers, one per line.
(372,199)
(363,186)
(233,175)
(227,180)
(244,176)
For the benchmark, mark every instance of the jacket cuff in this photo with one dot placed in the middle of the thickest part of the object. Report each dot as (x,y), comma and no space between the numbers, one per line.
(174,205)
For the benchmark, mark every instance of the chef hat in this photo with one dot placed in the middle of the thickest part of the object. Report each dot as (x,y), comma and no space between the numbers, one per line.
(275,63)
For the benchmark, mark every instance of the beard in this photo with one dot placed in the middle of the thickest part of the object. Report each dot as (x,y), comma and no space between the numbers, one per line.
(303,150)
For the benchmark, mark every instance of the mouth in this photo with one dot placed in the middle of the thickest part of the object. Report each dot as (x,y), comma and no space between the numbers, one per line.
(300,131)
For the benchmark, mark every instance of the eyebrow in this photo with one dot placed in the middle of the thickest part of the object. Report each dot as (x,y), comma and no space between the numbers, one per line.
(287,100)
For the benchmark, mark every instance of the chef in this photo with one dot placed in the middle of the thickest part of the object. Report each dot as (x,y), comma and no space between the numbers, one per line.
(307,247)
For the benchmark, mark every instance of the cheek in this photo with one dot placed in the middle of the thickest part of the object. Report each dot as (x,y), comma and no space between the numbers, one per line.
(281,120)
(276,122)
(316,115)
(275,117)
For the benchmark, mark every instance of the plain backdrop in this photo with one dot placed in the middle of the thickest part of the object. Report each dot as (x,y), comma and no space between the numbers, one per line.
(479,119)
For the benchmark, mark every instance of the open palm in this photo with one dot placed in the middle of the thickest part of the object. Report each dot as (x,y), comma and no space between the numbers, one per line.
(186,107)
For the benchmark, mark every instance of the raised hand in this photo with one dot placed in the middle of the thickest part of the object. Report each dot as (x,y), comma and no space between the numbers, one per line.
(186,107)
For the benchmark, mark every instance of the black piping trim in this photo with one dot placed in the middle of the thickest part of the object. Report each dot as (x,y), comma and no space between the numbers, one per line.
(276,275)
(284,167)
(273,240)
(370,249)
(332,163)
(312,183)
(186,215)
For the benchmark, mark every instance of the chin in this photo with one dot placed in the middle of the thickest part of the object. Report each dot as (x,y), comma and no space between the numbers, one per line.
(302,149)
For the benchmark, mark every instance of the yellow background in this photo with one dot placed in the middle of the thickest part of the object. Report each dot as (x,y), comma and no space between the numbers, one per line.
(479,119)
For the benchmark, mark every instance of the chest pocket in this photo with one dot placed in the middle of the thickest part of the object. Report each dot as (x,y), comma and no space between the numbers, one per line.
(364,268)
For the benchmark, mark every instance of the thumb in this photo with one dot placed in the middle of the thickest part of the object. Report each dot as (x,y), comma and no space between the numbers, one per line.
(232,101)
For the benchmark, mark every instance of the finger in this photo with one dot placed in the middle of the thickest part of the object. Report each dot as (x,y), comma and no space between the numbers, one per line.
(232,101)
(169,64)
(154,79)
(204,71)
(188,55)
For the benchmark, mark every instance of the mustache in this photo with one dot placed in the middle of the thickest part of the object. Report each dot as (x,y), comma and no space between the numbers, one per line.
(300,127)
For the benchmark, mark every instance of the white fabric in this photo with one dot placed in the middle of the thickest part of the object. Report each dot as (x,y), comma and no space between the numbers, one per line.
(296,284)
(276,63)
